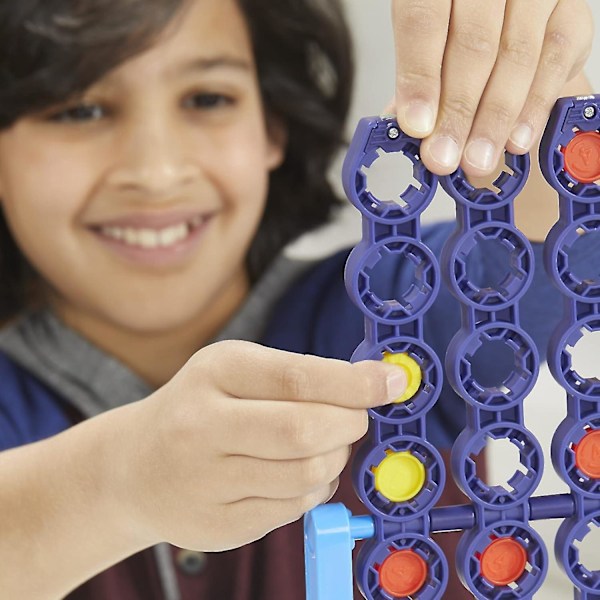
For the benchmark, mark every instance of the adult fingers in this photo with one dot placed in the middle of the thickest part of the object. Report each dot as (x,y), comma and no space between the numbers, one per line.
(567,45)
(246,370)
(287,430)
(508,87)
(420,31)
(471,52)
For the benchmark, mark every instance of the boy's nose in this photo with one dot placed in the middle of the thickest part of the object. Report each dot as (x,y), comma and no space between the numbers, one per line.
(157,178)
(154,159)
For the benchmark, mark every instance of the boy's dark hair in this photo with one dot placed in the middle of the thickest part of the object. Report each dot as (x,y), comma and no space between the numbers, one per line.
(51,50)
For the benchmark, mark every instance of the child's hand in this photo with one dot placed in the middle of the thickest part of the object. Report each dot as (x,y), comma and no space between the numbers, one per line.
(474,77)
(245,439)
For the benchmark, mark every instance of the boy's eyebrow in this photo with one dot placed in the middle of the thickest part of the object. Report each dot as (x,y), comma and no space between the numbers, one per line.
(214,62)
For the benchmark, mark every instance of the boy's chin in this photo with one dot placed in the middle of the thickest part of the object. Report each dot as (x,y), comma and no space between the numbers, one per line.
(120,324)
(158,322)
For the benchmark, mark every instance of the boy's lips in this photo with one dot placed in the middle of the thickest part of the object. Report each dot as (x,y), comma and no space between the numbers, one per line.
(153,220)
(153,239)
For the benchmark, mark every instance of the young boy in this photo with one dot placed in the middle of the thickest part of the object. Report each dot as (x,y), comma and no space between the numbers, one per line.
(155,156)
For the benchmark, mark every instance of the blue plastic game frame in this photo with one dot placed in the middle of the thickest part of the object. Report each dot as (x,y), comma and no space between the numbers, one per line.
(398,474)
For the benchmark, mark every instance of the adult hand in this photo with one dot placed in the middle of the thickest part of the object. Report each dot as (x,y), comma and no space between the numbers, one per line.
(475,77)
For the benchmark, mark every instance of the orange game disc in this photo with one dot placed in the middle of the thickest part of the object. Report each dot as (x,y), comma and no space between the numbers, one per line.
(582,156)
(403,573)
(503,561)
(587,454)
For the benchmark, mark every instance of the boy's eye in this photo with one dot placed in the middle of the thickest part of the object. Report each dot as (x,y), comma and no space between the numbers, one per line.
(79,113)
(208,101)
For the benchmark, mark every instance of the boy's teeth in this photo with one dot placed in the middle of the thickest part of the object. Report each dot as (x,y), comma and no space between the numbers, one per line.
(152,238)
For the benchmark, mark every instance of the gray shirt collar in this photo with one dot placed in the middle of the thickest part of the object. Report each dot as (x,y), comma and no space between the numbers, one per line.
(92,381)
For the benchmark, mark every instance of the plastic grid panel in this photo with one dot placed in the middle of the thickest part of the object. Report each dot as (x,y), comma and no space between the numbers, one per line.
(500,556)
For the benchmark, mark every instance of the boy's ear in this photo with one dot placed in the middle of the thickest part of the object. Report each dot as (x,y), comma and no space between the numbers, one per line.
(277,139)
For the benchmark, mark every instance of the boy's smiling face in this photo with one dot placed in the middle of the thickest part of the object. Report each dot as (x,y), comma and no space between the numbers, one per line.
(138,202)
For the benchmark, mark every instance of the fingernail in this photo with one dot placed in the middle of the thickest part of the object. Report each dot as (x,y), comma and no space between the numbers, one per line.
(444,151)
(396,384)
(522,136)
(481,154)
(419,117)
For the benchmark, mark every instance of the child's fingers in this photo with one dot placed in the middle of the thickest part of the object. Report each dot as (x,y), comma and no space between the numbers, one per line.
(263,514)
(282,479)
(246,370)
(420,29)
(288,430)
(471,52)
(566,47)
(508,87)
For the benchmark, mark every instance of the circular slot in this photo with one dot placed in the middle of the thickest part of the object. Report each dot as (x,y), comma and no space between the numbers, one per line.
(371,285)
(511,180)
(390,177)
(525,476)
(495,367)
(492,267)
(572,352)
(578,551)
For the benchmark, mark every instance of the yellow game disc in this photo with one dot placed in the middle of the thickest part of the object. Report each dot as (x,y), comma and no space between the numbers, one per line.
(400,476)
(412,370)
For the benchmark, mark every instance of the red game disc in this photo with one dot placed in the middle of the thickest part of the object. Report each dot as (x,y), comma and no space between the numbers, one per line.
(403,573)
(587,454)
(503,561)
(582,156)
